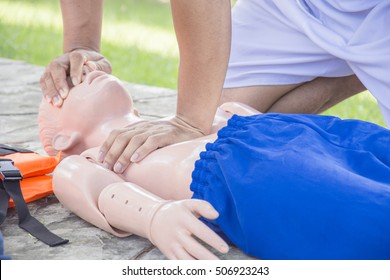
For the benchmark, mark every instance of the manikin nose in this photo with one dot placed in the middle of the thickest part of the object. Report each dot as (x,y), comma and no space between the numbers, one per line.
(93,75)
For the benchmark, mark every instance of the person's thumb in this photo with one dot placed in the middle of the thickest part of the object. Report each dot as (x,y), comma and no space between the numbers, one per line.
(101,65)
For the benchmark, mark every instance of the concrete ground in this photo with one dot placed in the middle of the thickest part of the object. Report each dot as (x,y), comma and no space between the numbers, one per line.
(20,96)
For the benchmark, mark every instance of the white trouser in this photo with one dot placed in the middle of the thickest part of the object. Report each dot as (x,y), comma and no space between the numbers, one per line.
(277,42)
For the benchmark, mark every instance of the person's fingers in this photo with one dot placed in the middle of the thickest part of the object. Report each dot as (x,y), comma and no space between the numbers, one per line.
(88,67)
(195,249)
(108,143)
(53,82)
(127,155)
(106,146)
(85,71)
(118,147)
(100,65)
(134,143)
(91,65)
(151,144)
(58,74)
(104,65)
(74,67)
(99,61)
(77,60)
(51,94)
(45,90)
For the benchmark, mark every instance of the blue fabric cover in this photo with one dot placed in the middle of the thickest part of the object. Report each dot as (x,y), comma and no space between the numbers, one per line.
(2,256)
(299,186)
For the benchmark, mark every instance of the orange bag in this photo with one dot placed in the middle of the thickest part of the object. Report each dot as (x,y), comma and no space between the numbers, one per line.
(35,168)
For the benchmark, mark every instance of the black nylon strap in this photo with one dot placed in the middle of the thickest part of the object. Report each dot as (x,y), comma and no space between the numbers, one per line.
(10,187)
(7,150)
(4,199)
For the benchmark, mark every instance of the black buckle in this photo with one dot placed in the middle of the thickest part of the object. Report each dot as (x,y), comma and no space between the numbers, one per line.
(8,171)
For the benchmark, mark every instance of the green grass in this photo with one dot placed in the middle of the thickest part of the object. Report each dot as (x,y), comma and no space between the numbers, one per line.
(138,39)
(29,31)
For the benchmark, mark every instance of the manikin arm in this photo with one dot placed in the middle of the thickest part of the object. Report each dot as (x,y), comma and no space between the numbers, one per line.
(100,197)
(167,224)
(77,183)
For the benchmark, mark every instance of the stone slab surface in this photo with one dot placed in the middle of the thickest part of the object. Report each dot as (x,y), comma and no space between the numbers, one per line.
(20,96)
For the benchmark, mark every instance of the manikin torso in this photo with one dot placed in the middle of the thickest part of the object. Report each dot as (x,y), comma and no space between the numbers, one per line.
(99,105)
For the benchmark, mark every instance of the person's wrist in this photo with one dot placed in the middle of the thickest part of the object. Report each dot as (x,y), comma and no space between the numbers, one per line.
(200,127)
(72,48)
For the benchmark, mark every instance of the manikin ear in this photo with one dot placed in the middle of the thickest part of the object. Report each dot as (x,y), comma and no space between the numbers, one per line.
(63,141)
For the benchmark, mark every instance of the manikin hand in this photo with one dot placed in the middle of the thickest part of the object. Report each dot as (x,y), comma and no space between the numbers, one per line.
(133,143)
(170,225)
(70,69)
(175,224)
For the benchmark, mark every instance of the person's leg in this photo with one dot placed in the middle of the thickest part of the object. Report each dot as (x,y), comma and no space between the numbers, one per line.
(279,43)
(259,97)
(274,67)
(318,95)
(307,98)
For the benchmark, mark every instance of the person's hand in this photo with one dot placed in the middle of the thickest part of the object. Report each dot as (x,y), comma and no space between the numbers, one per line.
(133,143)
(175,224)
(69,70)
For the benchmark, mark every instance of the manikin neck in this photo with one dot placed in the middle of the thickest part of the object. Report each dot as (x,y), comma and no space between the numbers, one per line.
(100,134)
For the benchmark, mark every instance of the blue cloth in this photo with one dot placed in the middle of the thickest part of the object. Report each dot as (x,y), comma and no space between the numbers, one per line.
(2,256)
(299,186)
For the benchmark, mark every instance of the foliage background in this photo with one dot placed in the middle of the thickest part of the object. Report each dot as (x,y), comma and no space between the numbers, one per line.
(138,38)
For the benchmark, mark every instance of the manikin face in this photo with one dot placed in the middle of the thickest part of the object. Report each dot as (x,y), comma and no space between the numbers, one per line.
(98,101)
(98,98)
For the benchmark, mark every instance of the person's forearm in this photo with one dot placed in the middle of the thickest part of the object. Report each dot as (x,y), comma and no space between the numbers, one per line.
(203,30)
(82,21)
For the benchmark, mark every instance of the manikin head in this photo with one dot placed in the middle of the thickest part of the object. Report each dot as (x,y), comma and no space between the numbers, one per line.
(91,111)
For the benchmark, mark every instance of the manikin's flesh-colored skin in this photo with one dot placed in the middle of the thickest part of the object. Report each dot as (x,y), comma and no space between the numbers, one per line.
(147,194)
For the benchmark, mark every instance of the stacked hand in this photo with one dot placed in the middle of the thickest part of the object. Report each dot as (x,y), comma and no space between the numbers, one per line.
(69,70)
(133,143)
